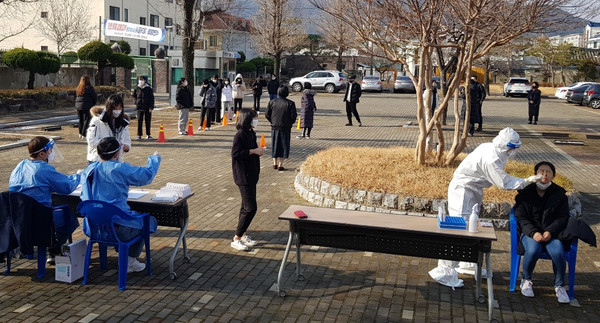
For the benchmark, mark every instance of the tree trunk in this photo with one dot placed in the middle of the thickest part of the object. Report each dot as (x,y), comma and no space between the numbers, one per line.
(486,75)
(552,74)
(31,80)
(277,65)
(189,42)
(339,63)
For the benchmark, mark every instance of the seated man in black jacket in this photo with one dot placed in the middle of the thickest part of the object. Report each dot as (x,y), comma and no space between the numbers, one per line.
(542,212)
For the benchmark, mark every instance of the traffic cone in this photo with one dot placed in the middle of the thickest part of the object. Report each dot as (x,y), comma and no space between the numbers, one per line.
(262,141)
(237,114)
(204,124)
(224,123)
(190,131)
(298,127)
(161,134)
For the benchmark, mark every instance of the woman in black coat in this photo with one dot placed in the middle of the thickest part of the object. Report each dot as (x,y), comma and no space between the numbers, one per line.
(245,162)
(85,100)
(307,110)
(282,114)
(534,97)
(185,101)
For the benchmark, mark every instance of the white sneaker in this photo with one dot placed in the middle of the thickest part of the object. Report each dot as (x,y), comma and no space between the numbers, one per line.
(527,288)
(133,265)
(562,295)
(248,241)
(239,245)
(199,128)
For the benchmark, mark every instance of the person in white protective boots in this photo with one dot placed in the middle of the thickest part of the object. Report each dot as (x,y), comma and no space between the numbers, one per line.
(482,168)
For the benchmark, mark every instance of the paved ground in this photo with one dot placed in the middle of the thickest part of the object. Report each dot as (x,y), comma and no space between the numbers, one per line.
(220,284)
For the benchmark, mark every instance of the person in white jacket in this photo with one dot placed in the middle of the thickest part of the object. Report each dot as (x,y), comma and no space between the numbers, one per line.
(227,100)
(238,87)
(110,121)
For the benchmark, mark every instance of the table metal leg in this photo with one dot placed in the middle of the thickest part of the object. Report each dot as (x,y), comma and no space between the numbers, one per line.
(478,295)
(299,276)
(172,273)
(490,285)
(280,291)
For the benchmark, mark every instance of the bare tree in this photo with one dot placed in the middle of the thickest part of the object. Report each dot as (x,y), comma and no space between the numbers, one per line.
(194,14)
(276,29)
(15,17)
(473,27)
(336,33)
(67,23)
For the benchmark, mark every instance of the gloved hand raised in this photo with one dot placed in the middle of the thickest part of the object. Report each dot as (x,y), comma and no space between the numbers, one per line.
(533,179)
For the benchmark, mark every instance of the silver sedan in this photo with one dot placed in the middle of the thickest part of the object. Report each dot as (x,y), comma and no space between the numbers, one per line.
(371,83)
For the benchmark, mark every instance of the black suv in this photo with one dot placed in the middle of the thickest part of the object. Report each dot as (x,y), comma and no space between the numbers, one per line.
(591,96)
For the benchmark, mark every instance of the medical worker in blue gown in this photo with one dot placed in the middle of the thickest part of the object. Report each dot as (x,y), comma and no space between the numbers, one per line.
(108,180)
(36,178)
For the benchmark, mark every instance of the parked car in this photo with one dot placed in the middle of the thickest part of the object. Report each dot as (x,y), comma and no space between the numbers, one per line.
(575,95)
(404,84)
(330,81)
(591,96)
(517,86)
(371,83)
(561,92)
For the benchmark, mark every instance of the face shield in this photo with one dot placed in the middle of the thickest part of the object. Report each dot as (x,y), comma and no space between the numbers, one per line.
(54,154)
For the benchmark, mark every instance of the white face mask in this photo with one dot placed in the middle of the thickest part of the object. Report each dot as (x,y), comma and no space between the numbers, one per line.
(141,83)
(51,156)
(185,83)
(226,82)
(273,78)
(254,123)
(117,113)
(543,186)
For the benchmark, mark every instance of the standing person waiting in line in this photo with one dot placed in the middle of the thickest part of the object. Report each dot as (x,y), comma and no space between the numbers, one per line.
(185,102)
(542,212)
(351,97)
(272,87)
(226,100)
(108,180)
(85,100)
(238,92)
(257,88)
(482,94)
(307,110)
(245,162)
(35,177)
(144,103)
(110,121)
(218,104)
(208,99)
(282,114)
(535,98)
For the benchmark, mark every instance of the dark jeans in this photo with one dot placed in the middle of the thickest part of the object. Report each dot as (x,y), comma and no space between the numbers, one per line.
(208,112)
(534,111)
(306,132)
(272,96)
(217,111)
(144,116)
(125,234)
(351,110)
(84,121)
(248,208)
(480,116)
(237,105)
(256,105)
(533,250)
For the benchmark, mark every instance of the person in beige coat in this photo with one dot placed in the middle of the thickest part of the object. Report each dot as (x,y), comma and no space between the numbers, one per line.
(238,92)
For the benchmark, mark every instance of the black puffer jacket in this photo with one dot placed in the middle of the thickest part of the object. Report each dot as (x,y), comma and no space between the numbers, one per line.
(540,214)
(87,100)
(144,98)
(355,93)
(184,98)
(282,114)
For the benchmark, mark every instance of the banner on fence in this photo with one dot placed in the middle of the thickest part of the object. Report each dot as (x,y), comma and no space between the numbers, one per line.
(115,28)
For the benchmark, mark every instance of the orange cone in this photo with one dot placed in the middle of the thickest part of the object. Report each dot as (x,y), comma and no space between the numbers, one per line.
(237,114)
(190,131)
(262,141)
(204,124)
(161,134)
(224,123)
(298,127)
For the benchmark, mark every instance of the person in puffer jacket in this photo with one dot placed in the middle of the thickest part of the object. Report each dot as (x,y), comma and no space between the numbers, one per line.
(144,103)
(238,92)
(110,121)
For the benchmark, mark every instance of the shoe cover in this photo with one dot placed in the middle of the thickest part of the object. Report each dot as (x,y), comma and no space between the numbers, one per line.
(446,276)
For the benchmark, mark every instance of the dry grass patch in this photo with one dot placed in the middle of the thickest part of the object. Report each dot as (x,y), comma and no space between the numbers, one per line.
(393,170)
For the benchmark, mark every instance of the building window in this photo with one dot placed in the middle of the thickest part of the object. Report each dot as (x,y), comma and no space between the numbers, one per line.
(114,13)
(44,48)
(154,21)
(170,1)
(126,15)
(142,51)
(324,65)
(153,48)
(44,14)
(212,41)
(142,20)
(168,22)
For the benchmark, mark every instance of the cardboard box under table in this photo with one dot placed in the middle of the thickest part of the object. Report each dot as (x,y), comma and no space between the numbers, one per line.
(69,268)
(394,234)
(170,214)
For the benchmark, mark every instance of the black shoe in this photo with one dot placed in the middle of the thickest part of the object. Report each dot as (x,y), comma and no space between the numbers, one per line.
(478,129)
(529,122)
(535,123)
(360,124)
(349,124)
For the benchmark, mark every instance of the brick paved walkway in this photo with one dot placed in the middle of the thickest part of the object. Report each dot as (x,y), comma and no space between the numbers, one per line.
(220,284)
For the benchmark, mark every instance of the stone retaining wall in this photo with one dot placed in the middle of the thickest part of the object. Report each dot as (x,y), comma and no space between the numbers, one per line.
(322,193)
(49,101)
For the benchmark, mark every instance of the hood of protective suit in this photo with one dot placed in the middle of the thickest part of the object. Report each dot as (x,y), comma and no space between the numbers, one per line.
(506,138)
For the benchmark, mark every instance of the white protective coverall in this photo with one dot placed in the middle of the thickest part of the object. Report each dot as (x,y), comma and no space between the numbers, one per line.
(482,168)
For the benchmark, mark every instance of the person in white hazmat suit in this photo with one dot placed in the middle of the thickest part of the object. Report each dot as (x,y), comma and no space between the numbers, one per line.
(482,168)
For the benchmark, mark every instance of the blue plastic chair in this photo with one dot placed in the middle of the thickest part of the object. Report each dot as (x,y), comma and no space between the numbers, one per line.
(100,216)
(515,258)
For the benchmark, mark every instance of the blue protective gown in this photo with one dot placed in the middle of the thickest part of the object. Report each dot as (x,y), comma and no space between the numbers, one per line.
(110,183)
(39,179)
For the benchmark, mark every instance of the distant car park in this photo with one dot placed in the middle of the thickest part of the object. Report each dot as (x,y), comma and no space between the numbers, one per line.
(371,83)
(330,81)
(591,96)
(404,84)
(561,92)
(575,95)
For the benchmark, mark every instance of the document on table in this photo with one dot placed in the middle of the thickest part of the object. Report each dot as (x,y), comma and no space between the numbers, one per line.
(136,194)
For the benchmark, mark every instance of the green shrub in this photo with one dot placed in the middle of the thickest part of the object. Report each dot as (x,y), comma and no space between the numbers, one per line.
(95,51)
(121,60)
(27,93)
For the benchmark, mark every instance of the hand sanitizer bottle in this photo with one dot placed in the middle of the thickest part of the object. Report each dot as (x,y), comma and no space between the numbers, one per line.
(474,218)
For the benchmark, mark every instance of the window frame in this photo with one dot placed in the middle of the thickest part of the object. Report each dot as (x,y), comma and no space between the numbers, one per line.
(114,15)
